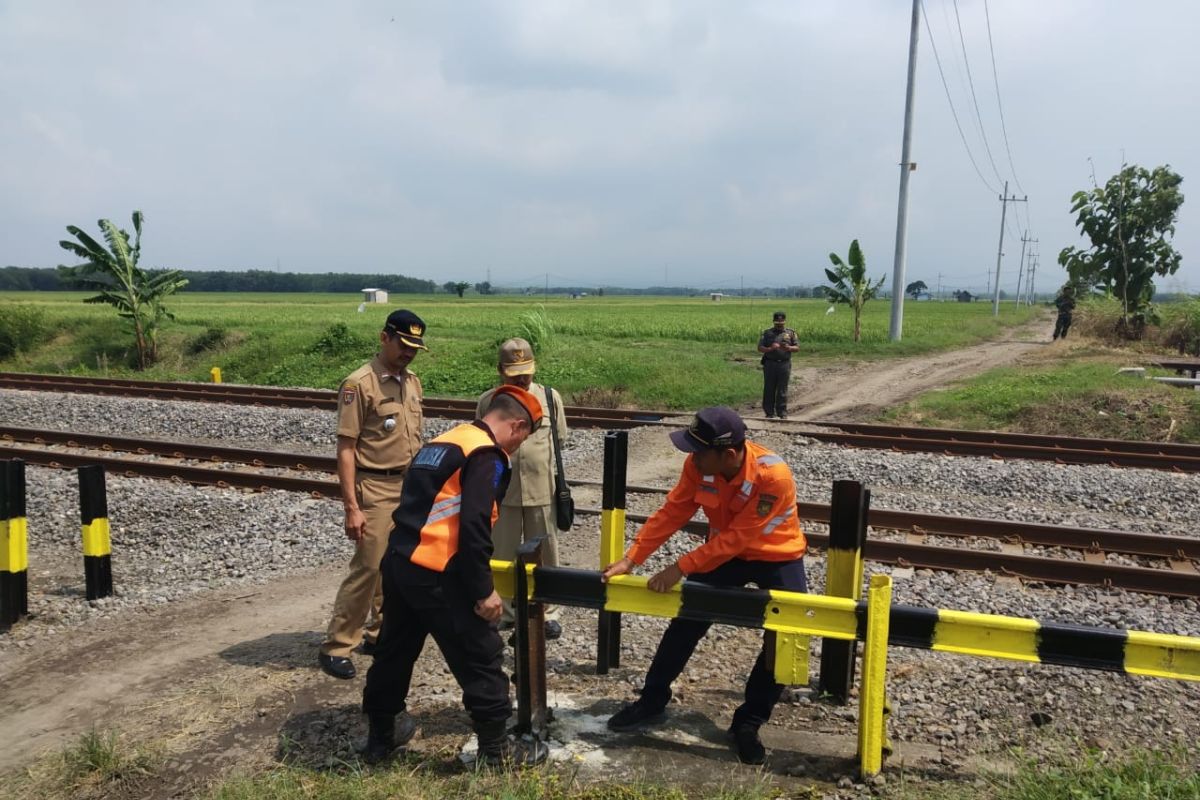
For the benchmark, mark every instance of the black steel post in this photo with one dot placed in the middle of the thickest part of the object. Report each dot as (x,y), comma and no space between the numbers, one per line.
(844,578)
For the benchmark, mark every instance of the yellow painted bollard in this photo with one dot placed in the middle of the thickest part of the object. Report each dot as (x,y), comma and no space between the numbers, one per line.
(872,697)
(215,372)
(14,546)
(97,543)
(844,578)
(612,542)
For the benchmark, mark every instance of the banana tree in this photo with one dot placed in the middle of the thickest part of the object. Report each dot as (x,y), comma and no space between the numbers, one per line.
(851,284)
(113,272)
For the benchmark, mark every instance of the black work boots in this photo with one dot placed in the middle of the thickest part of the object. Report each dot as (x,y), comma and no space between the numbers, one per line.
(499,748)
(387,733)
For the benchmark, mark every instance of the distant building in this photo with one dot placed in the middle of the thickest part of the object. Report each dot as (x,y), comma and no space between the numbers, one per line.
(375,295)
(715,296)
(964,296)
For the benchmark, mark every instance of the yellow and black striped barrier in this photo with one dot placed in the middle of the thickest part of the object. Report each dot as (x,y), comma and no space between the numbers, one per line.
(612,542)
(97,543)
(876,622)
(14,544)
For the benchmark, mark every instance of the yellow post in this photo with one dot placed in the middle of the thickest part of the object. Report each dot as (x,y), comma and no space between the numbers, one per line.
(872,698)
(216,374)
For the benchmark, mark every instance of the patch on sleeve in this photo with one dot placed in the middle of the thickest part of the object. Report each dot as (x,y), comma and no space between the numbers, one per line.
(499,474)
(349,394)
(765,501)
(429,457)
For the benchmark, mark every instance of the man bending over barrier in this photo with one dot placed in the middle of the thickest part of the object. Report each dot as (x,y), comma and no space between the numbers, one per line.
(437,582)
(754,536)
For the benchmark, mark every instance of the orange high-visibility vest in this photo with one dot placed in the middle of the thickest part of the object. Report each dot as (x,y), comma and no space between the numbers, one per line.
(427,520)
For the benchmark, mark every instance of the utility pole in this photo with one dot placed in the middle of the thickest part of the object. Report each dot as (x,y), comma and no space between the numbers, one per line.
(896,328)
(546,292)
(1004,201)
(1021,265)
(939,294)
(1033,264)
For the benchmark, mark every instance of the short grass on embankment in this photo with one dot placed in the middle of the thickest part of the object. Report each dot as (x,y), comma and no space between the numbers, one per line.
(631,351)
(1068,392)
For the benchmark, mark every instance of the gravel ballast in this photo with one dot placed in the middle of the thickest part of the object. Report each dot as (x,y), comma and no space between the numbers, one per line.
(171,542)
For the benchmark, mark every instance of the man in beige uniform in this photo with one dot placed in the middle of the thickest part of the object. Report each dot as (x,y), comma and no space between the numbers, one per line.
(527,510)
(378,433)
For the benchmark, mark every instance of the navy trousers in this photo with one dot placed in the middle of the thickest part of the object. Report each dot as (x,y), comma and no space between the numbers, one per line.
(775,387)
(682,636)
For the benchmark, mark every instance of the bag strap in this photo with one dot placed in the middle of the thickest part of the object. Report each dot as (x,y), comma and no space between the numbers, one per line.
(562,478)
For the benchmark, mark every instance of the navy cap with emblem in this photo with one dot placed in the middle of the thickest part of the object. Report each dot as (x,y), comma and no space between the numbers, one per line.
(779,315)
(712,428)
(408,326)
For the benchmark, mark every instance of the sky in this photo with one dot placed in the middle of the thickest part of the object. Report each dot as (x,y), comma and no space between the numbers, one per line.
(695,143)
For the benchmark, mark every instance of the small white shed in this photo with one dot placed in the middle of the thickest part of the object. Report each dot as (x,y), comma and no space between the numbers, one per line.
(375,295)
(715,296)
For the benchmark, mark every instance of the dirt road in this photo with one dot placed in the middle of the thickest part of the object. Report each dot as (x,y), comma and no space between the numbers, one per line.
(861,390)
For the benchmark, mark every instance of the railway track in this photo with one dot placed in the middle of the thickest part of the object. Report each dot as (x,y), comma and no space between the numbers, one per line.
(1178,578)
(1058,449)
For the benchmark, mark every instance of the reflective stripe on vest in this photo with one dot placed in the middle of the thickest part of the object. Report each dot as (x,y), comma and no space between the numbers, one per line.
(439,534)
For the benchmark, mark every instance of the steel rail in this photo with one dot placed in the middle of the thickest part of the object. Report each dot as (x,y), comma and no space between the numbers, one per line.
(1068,450)
(1043,569)
(1050,570)
(1103,540)
(1089,539)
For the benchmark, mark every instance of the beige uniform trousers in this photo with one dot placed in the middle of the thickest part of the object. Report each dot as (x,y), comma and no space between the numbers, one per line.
(519,524)
(357,609)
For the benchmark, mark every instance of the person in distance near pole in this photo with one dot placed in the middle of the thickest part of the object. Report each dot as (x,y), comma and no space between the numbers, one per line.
(777,344)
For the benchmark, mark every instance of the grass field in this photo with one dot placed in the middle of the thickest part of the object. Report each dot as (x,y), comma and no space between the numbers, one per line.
(655,352)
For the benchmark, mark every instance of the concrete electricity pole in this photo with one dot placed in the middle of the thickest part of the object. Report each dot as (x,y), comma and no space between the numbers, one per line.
(1004,201)
(1021,267)
(906,166)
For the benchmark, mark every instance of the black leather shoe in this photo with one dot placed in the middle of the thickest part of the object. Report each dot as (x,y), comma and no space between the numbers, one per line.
(749,747)
(636,716)
(336,666)
(553,629)
(368,647)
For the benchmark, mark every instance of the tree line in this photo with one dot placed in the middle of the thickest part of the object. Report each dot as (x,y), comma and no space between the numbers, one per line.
(49,279)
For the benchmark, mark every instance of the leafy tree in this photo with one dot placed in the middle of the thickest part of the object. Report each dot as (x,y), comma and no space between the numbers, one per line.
(915,288)
(484,287)
(851,284)
(135,293)
(1129,221)
(460,287)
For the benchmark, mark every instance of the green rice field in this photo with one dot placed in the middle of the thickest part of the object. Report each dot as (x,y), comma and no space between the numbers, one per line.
(644,351)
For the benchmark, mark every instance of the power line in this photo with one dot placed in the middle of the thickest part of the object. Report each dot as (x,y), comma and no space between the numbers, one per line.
(974,99)
(957,124)
(999,105)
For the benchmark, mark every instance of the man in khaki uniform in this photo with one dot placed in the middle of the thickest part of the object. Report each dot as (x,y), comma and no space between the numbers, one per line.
(527,510)
(378,433)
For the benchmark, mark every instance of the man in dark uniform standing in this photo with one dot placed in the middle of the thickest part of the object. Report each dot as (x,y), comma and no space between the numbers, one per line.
(437,581)
(777,344)
(1065,303)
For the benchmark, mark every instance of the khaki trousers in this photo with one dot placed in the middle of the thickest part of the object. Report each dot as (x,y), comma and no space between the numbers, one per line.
(357,610)
(517,525)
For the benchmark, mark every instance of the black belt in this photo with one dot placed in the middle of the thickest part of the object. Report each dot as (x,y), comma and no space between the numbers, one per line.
(385,472)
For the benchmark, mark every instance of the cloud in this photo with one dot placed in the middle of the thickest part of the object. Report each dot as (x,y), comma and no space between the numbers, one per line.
(572,137)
